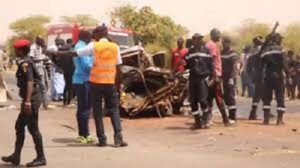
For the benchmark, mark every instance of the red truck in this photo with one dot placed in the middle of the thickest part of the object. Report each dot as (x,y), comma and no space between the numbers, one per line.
(124,37)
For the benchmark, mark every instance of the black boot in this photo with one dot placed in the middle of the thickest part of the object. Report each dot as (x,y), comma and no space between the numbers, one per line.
(198,123)
(206,121)
(266,117)
(13,159)
(232,115)
(37,162)
(280,118)
(253,115)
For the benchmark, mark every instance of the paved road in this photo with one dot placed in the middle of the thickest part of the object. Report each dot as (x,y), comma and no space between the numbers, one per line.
(163,143)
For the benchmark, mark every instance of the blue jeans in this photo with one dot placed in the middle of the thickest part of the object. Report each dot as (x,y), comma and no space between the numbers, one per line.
(84,107)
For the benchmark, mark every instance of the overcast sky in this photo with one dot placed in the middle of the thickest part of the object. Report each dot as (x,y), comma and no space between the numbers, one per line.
(196,15)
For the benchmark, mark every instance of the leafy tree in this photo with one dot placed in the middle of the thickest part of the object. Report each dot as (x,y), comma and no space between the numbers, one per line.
(151,28)
(84,20)
(244,34)
(29,28)
(291,38)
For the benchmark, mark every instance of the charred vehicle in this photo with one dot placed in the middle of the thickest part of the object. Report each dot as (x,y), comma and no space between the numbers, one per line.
(147,87)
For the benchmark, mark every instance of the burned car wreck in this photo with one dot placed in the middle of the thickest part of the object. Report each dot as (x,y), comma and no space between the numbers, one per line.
(147,88)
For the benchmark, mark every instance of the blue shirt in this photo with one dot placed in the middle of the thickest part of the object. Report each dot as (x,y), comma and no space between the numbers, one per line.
(83,65)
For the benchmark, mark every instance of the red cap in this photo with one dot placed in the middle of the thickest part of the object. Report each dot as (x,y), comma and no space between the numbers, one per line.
(21,43)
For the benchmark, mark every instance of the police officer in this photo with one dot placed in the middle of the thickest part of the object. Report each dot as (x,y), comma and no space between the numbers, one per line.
(28,80)
(200,64)
(274,63)
(229,58)
(255,69)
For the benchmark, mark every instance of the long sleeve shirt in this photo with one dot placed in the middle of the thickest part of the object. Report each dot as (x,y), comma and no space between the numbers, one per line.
(83,65)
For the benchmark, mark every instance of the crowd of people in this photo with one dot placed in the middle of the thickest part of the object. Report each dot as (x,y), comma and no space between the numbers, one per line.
(89,70)
(264,67)
(248,77)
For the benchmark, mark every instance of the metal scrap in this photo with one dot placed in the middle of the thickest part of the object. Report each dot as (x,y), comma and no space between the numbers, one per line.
(146,86)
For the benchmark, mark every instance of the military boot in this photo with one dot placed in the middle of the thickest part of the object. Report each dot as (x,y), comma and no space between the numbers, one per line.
(253,115)
(13,159)
(37,162)
(232,115)
(40,159)
(266,117)
(280,118)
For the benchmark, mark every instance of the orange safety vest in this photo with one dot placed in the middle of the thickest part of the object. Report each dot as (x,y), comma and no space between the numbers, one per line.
(105,63)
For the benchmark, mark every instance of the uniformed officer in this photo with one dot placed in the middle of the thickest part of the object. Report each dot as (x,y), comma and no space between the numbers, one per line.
(229,58)
(255,69)
(273,63)
(200,64)
(28,80)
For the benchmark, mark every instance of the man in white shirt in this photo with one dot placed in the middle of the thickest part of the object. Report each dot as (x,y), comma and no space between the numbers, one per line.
(37,53)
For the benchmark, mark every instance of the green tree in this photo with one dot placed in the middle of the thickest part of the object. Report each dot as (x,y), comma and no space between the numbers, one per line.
(29,28)
(84,20)
(244,34)
(152,29)
(291,38)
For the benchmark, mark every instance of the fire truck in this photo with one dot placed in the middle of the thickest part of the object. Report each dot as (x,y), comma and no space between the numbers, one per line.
(123,37)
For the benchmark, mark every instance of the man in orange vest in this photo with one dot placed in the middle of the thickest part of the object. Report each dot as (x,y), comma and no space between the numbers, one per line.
(103,82)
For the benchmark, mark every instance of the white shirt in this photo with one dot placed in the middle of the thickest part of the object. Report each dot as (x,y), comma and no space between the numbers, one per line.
(36,52)
(89,50)
(52,48)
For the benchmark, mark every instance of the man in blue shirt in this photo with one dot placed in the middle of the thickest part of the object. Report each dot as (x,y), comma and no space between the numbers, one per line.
(81,76)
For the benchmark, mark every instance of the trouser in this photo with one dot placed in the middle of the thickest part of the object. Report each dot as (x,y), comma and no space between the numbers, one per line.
(32,123)
(68,90)
(111,99)
(257,96)
(247,84)
(276,85)
(292,87)
(229,96)
(45,86)
(83,108)
(215,92)
(298,86)
(198,90)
